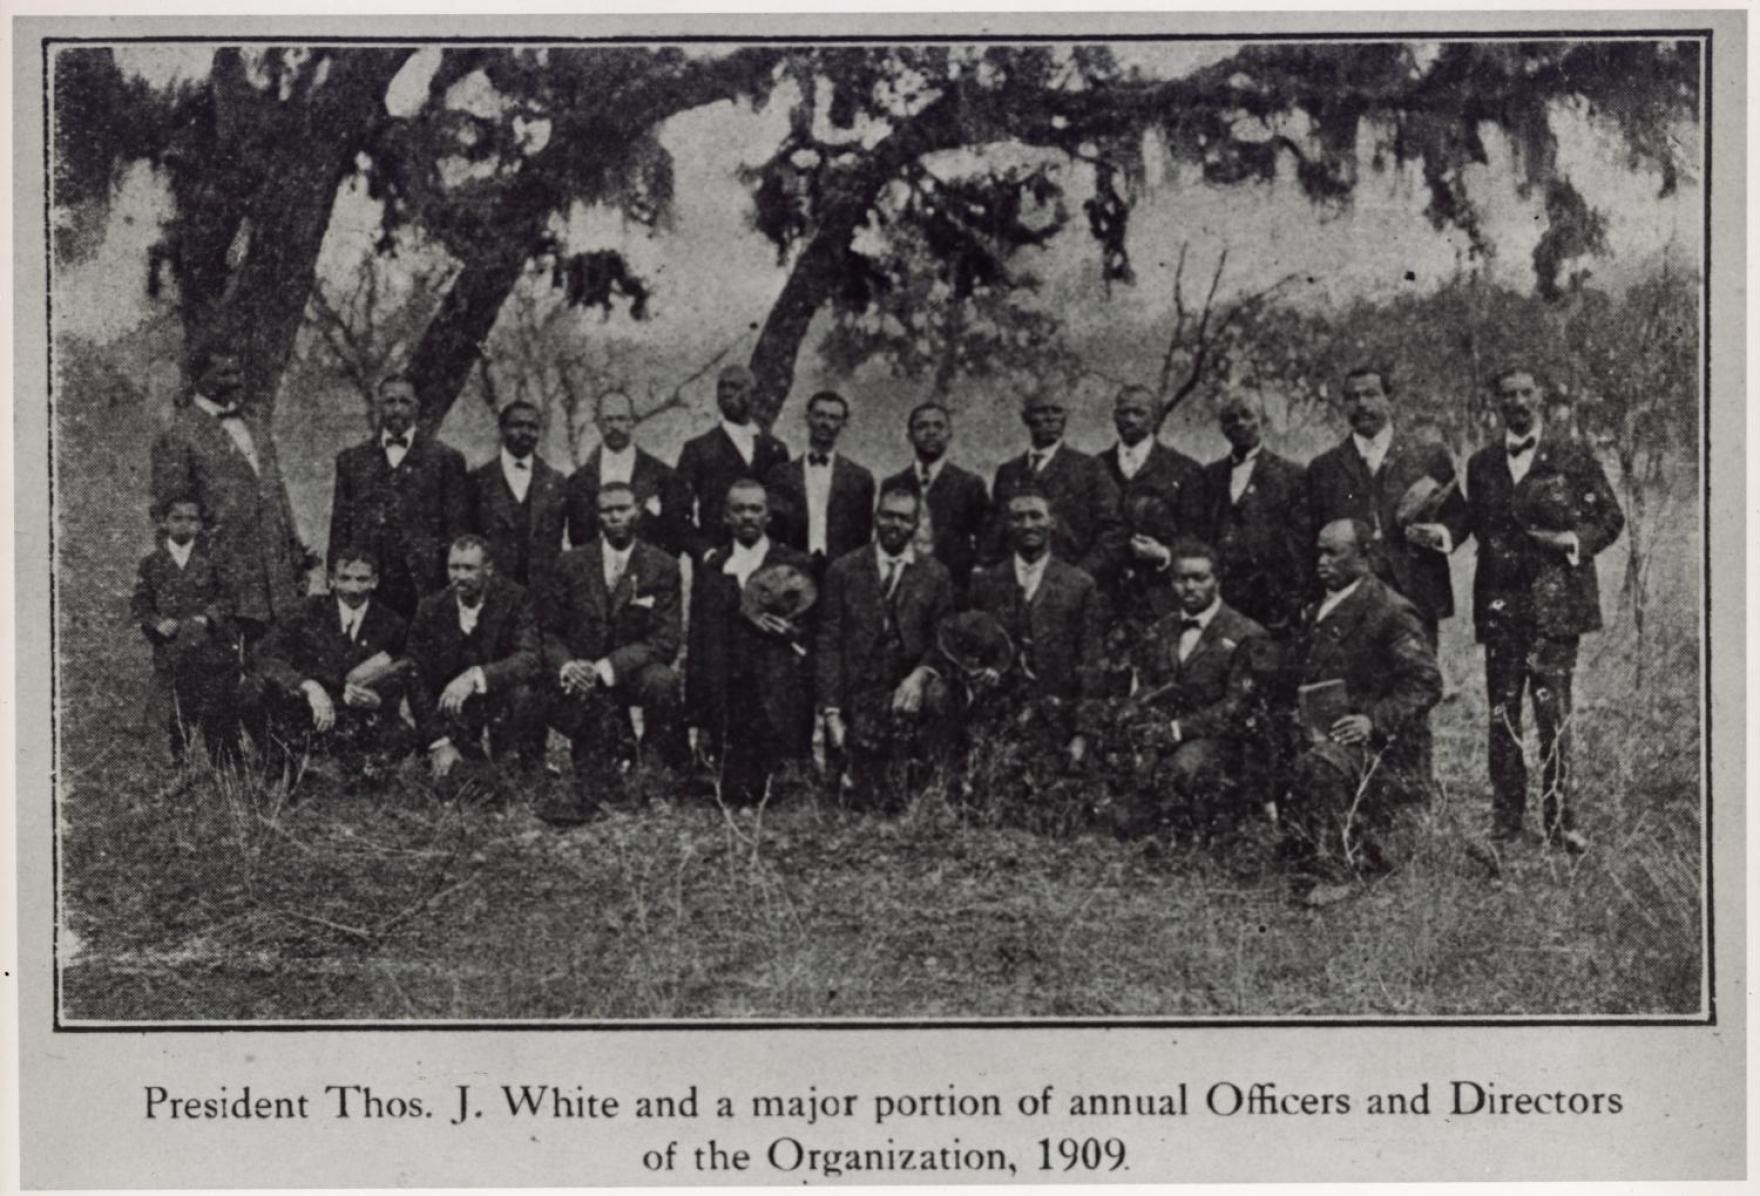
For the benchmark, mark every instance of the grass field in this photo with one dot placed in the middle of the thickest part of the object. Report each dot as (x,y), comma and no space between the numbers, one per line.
(229,900)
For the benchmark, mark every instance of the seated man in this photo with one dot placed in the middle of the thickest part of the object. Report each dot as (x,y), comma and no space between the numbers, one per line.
(474,648)
(1368,679)
(332,672)
(1197,708)
(612,626)
(877,618)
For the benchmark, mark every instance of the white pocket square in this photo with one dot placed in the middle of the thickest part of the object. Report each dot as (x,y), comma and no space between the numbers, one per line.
(652,506)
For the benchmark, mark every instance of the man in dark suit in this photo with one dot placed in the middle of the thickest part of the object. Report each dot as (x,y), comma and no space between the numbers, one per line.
(475,651)
(824,502)
(612,624)
(1365,744)
(518,501)
(1053,613)
(956,509)
(1084,502)
(1542,510)
(748,681)
(663,501)
(1160,499)
(1201,670)
(331,669)
(213,452)
(875,682)
(709,464)
(1254,511)
(1369,476)
(403,496)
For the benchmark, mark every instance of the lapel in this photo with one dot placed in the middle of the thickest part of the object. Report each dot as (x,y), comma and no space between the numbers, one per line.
(732,450)
(590,473)
(1357,469)
(1210,637)
(1341,623)
(221,444)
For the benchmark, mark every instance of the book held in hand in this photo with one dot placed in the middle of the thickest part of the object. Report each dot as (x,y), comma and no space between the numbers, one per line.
(1322,704)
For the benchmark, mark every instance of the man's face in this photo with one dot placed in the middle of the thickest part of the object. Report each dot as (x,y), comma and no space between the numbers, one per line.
(1366,404)
(617,422)
(1029,526)
(930,434)
(748,514)
(1518,399)
(1340,559)
(353,582)
(182,522)
(1194,583)
(222,379)
(1134,417)
(617,517)
(1240,427)
(895,522)
(520,431)
(733,394)
(468,572)
(825,421)
(1044,419)
(397,407)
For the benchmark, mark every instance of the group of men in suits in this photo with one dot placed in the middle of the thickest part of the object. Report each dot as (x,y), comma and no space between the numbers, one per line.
(502,601)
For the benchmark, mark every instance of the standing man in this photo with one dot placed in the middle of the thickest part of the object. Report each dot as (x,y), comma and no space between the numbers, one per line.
(1254,512)
(613,624)
(1084,502)
(824,501)
(1542,510)
(662,501)
(1053,612)
(403,496)
(709,464)
(874,681)
(1402,489)
(518,502)
(474,645)
(1160,491)
(214,454)
(955,508)
(748,678)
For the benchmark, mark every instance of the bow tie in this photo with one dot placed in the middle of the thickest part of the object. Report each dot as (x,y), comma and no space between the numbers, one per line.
(392,442)
(1239,458)
(1520,447)
(521,463)
(1191,623)
(818,460)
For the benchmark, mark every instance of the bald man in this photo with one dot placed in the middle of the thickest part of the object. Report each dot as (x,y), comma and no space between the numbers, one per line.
(737,449)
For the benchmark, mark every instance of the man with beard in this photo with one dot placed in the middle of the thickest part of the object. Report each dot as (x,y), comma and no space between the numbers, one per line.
(475,650)
(1083,500)
(612,629)
(709,464)
(955,508)
(518,501)
(748,678)
(403,496)
(1159,500)
(1254,512)
(824,501)
(662,500)
(875,684)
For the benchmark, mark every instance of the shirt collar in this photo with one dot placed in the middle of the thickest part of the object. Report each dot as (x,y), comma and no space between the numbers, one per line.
(1045,454)
(211,407)
(1333,599)
(348,615)
(1252,453)
(180,552)
(1207,614)
(1136,453)
(933,468)
(616,554)
(1376,444)
(385,436)
(742,432)
(906,557)
(458,601)
(1023,569)
(508,460)
(1510,439)
(756,550)
(626,453)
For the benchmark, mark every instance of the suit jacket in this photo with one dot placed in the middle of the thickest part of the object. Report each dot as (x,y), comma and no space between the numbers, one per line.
(409,515)
(165,591)
(1178,481)
(708,465)
(638,624)
(849,507)
(867,643)
(1215,690)
(1375,642)
(1340,487)
(504,644)
(311,647)
(725,648)
(251,532)
(524,537)
(661,494)
(1518,585)
(1057,636)
(1266,546)
(1083,499)
(958,513)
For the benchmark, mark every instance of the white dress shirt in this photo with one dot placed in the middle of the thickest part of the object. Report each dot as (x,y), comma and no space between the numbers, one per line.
(236,427)
(468,616)
(467,623)
(1029,575)
(180,552)
(617,467)
(616,562)
(927,472)
(1132,457)
(818,499)
(1189,636)
(1332,599)
(907,557)
(742,562)
(1042,456)
(1240,473)
(744,437)
(351,620)
(1520,463)
(518,472)
(1374,451)
(395,453)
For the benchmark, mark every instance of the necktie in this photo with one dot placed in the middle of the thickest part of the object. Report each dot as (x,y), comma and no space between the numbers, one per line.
(889,583)
(1035,462)
(1520,447)
(616,578)
(923,480)
(353,630)
(818,460)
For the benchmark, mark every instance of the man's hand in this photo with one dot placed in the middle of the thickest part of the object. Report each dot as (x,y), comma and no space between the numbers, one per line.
(836,730)
(1147,548)
(166,628)
(1427,535)
(776,625)
(359,696)
(908,697)
(1351,729)
(323,709)
(1563,541)
(1077,750)
(441,758)
(578,677)
(460,688)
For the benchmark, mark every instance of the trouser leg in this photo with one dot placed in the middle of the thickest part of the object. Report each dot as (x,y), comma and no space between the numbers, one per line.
(1506,675)
(1551,666)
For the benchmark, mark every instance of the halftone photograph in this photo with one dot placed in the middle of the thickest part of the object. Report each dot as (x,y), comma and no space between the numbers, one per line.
(1072,529)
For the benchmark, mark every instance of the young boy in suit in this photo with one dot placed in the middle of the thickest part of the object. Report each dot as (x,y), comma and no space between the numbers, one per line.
(182,609)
